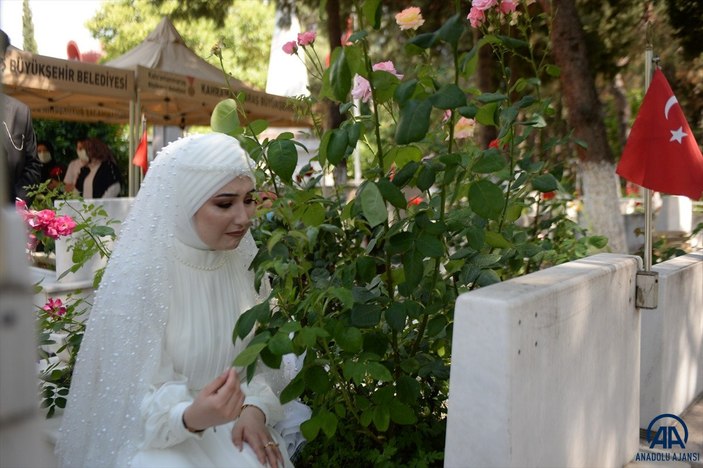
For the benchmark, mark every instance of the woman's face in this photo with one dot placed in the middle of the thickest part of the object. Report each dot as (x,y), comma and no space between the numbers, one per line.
(225,218)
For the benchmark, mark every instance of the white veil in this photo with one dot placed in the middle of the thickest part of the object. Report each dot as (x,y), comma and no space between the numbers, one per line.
(123,342)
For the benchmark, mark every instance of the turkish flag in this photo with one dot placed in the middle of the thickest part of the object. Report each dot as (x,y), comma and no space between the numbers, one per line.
(661,152)
(141,158)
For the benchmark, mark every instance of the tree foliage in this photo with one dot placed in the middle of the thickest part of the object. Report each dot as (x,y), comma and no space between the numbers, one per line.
(246,32)
(29,42)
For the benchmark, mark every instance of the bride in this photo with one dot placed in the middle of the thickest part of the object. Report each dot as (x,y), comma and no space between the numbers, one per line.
(153,384)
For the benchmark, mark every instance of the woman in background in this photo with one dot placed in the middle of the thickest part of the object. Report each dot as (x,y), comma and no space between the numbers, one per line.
(100,177)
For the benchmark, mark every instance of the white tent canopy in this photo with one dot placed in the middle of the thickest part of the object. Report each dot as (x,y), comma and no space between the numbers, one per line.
(66,89)
(177,87)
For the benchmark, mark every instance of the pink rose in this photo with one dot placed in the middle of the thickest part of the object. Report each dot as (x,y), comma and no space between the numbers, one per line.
(464,128)
(476,17)
(410,18)
(361,89)
(508,6)
(306,38)
(64,225)
(290,48)
(483,5)
(387,67)
(55,307)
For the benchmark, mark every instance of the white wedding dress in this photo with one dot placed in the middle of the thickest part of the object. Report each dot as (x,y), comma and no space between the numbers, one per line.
(161,329)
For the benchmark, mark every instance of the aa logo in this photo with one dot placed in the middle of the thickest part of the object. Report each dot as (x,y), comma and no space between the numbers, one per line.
(667,436)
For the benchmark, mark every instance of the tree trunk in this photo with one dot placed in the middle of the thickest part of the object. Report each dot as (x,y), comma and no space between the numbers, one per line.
(599,182)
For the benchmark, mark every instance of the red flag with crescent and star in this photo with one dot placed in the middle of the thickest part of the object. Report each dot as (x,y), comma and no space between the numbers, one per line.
(661,152)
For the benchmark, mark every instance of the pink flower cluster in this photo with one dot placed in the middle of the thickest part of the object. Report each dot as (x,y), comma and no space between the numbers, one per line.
(55,307)
(477,15)
(362,87)
(304,39)
(45,221)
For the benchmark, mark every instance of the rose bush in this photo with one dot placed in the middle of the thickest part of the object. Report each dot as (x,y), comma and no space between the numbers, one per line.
(364,286)
(60,322)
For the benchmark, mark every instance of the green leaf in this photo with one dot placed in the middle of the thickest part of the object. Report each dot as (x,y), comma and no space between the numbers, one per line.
(293,390)
(490,160)
(402,413)
(381,417)
(487,277)
(372,12)
(249,355)
(224,118)
(448,96)
(545,183)
(406,172)
(378,371)
(365,315)
(313,215)
(310,428)
(430,246)
(384,84)
(282,158)
(413,267)
(317,379)
(391,193)
(328,423)
(280,344)
(404,91)
(408,389)
(350,339)
(372,204)
(246,321)
(424,40)
(553,70)
(451,31)
(486,199)
(414,121)
(258,126)
(339,75)
(396,315)
(426,178)
(486,114)
(399,243)
(598,242)
(337,145)
(496,239)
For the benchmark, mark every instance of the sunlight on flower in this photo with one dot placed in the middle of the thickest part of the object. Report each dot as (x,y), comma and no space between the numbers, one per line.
(464,128)
(306,38)
(290,48)
(410,18)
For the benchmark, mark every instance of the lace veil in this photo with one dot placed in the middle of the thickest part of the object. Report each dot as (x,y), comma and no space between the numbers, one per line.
(124,337)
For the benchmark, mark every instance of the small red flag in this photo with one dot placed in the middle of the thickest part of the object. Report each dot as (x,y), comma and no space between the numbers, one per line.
(141,158)
(661,152)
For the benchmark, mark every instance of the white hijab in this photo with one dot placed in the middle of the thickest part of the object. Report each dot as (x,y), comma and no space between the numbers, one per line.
(120,352)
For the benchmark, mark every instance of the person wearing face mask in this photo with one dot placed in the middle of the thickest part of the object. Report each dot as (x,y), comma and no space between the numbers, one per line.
(99,177)
(74,167)
(50,169)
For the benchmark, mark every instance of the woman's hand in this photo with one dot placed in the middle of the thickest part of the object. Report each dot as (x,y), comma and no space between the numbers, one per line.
(251,428)
(218,403)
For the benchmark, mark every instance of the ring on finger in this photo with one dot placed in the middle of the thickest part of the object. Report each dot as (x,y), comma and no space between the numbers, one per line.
(270,443)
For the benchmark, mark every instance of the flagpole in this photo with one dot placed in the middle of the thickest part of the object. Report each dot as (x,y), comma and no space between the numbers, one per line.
(648,56)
